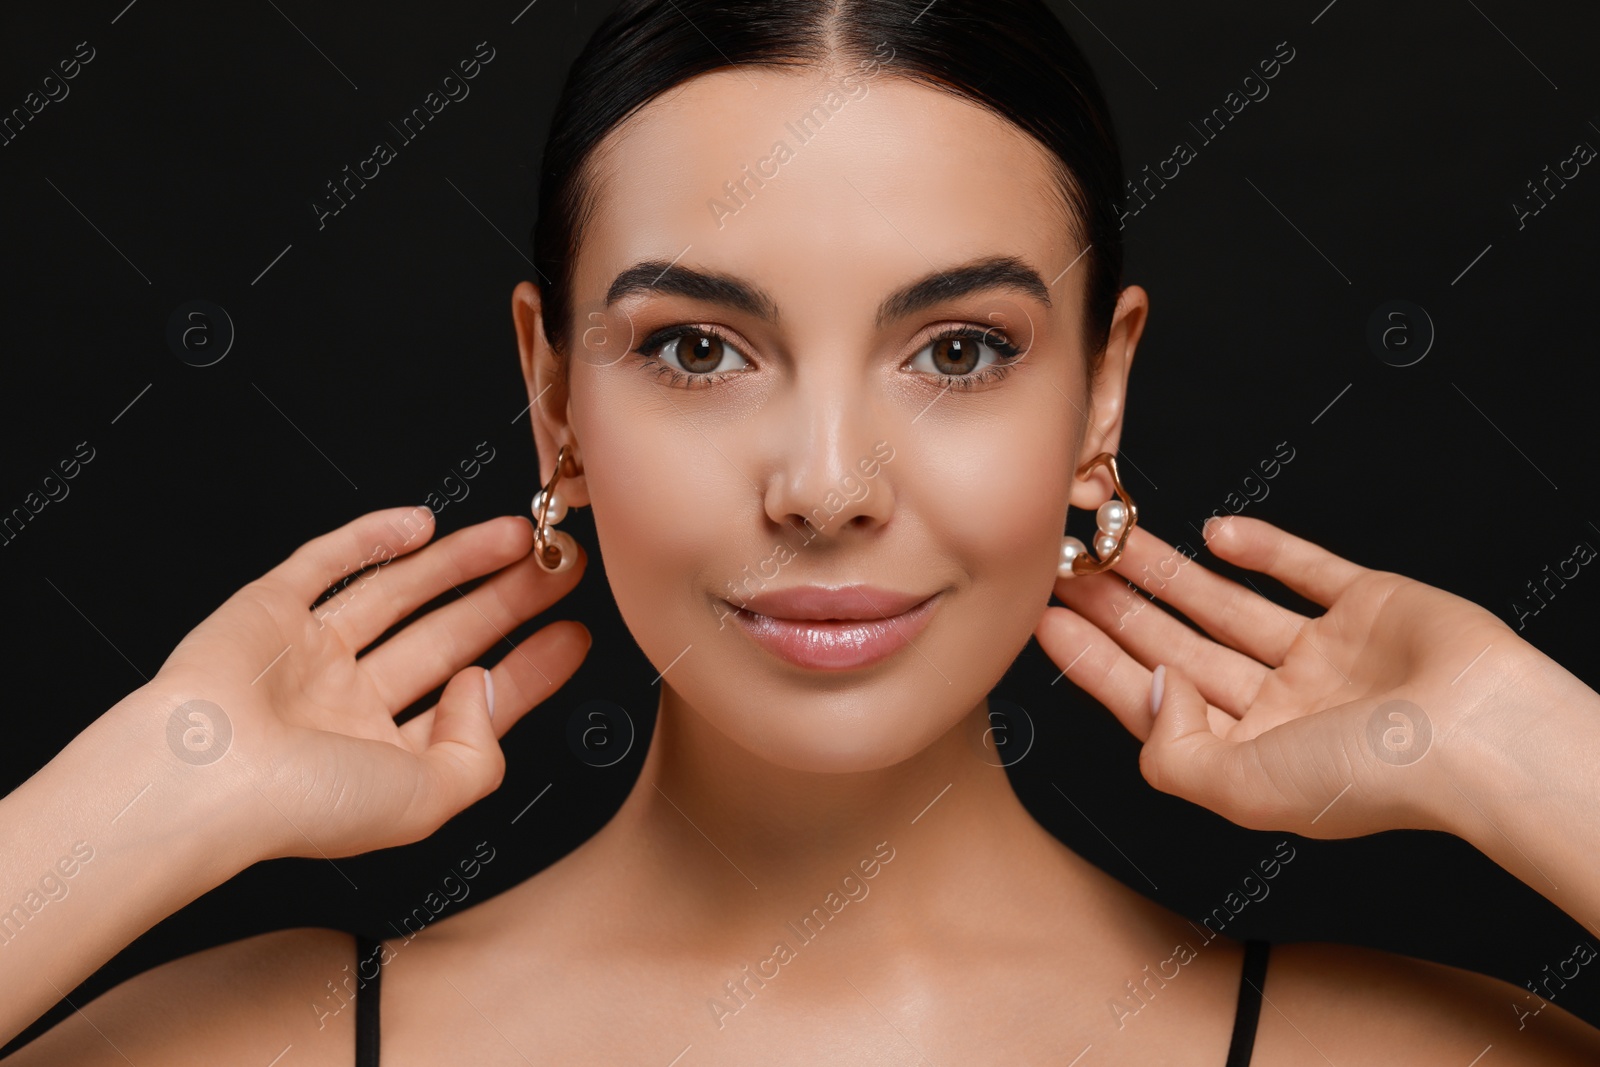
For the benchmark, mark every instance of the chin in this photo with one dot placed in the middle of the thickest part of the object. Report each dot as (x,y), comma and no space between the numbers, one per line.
(867,729)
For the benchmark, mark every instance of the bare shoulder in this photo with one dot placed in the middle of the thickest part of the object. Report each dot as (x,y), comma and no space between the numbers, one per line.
(1348,1004)
(247,1001)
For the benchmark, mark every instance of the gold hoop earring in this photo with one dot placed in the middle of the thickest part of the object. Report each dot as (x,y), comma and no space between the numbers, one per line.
(555,549)
(1115,519)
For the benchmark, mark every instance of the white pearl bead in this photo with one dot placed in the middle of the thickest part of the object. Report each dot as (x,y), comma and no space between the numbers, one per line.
(1112,516)
(558,507)
(1105,545)
(569,552)
(1071,549)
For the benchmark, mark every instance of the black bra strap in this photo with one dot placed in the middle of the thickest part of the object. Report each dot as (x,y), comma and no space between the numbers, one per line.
(367,1000)
(1249,1011)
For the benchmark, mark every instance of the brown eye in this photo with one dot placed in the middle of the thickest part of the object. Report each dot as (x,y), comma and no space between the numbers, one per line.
(955,355)
(700,353)
(961,353)
(682,353)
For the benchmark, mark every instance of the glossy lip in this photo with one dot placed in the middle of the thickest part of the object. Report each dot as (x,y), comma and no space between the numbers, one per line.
(839,629)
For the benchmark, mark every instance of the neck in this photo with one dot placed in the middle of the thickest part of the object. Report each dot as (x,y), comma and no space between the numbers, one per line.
(732,842)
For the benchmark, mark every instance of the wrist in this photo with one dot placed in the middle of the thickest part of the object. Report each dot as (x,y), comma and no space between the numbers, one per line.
(172,784)
(105,841)
(1525,747)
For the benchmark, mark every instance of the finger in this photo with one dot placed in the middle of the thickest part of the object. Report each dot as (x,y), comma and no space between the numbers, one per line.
(524,677)
(532,672)
(1098,666)
(1184,756)
(462,761)
(410,664)
(1238,617)
(1229,679)
(1309,569)
(370,539)
(1309,759)
(370,605)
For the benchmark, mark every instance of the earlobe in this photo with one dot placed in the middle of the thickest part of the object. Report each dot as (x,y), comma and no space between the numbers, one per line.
(574,485)
(1115,519)
(1091,490)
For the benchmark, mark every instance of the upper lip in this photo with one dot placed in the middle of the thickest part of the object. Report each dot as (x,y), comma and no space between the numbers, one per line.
(817,603)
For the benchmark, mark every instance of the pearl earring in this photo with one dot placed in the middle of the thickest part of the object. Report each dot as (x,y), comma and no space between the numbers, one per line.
(555,550)
(1115,519)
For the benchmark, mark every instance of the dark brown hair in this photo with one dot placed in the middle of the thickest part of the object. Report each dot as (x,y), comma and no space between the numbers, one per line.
(1013,57)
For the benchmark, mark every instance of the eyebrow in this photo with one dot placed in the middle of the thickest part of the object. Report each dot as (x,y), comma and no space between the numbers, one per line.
(993,272)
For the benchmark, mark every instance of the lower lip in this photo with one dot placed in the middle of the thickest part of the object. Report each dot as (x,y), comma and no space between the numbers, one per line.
(836,645)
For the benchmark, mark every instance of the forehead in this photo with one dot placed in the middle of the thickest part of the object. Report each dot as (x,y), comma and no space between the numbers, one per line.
(826,188)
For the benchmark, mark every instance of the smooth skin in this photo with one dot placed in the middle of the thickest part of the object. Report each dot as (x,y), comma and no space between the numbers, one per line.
(980,939)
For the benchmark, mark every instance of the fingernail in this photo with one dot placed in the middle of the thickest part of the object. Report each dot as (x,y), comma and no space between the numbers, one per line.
(488,692)
(1157,683)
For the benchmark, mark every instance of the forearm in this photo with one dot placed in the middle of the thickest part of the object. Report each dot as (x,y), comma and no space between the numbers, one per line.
(1524,788)
(110,837)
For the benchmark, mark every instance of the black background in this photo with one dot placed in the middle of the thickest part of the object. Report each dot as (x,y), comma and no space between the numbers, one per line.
(376,353)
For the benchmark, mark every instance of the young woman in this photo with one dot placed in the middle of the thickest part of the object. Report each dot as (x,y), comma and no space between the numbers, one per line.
(830,334)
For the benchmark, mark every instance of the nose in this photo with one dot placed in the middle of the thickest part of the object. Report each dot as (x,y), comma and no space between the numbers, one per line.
(827,443)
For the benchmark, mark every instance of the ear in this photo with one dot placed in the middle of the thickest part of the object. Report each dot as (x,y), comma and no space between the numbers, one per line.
(1108,394)
(549,400)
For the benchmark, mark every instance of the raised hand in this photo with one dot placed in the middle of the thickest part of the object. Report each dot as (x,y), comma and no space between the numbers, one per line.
(274,703)
(1333,726)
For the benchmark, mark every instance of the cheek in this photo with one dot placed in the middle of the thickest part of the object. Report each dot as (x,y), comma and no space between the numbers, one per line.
(1003,531)
(1013,518)
(661,513)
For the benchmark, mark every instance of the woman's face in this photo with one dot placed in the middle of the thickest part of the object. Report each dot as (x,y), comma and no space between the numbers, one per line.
(808,430)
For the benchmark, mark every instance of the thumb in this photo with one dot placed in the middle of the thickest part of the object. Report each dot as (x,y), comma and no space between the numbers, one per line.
(463,761)
(1182,756)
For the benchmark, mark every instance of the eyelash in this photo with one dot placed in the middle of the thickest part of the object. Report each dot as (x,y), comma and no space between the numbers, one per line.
(651,360)
(988,335)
